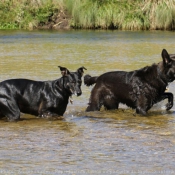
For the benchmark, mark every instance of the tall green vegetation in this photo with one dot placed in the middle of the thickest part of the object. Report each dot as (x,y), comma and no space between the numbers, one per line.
(107,14)
(122,14)
(161,13)
(25,13)
(90,14)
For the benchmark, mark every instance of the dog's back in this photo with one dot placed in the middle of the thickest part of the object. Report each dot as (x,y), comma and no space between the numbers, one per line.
(24,93)
(111,88)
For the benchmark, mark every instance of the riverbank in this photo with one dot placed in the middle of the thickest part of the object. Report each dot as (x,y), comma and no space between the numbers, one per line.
(88,14)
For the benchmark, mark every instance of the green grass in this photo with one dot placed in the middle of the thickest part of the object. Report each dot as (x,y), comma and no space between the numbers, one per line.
(122,14)
(25,14)
(90,14)
(161,14)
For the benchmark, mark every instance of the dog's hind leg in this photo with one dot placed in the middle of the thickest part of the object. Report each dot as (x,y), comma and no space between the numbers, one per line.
(95,101)
(1,115)
(10,110)
(93,107)
(110,104)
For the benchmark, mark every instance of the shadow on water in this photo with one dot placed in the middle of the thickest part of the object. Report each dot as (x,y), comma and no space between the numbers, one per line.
(28,122)
(153,118)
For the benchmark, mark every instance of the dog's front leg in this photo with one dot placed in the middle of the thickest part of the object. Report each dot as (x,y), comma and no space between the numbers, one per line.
(142,105)
(170,97)
(141,111)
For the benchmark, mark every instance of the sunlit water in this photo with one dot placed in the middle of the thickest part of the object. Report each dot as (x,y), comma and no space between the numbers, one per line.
(105,142)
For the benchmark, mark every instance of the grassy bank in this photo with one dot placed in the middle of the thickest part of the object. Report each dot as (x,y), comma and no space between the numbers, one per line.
(88,14)
(30,14)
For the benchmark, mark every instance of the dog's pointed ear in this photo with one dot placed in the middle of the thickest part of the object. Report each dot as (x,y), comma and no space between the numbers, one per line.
(64,71)
(166,57)
(80,70)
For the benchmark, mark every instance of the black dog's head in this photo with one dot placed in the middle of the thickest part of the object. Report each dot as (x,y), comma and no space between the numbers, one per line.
(168,66)
(72,80)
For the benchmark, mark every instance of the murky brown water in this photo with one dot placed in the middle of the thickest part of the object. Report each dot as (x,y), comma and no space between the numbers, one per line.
(105,142)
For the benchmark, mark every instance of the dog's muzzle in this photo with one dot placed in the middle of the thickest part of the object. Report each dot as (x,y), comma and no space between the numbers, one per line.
(76,93)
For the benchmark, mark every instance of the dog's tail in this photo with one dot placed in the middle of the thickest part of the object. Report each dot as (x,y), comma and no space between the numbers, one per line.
(88,80)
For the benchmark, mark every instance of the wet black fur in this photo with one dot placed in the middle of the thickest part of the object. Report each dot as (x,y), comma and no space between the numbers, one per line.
(138,89)
(40,98)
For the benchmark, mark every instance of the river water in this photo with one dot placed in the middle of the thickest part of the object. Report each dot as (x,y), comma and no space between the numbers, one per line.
(105,142)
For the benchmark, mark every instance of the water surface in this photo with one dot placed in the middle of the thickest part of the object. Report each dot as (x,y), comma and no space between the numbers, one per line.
(105,142)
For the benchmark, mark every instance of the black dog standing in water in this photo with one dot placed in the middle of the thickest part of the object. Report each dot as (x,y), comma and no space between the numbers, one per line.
(138,89)
(45,99)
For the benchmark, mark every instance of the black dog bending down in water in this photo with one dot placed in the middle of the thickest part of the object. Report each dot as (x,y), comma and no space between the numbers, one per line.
(138,89)
(41,98)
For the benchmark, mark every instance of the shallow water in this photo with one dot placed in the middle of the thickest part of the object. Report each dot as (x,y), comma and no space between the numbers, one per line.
(105,142)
